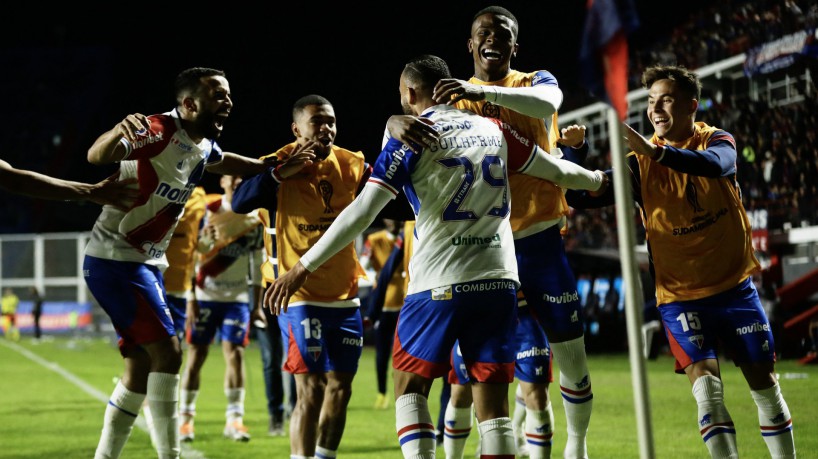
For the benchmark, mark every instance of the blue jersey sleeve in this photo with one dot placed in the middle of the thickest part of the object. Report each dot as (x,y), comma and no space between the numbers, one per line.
(393,168)
(544,77)
(256,192)
(717,160)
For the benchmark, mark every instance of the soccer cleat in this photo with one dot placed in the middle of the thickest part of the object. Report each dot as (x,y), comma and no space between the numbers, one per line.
(381,402)
(186,432)
(236,431)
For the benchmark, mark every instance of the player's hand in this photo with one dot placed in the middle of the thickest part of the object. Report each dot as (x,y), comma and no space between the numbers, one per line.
(638,144)
(118,193)
(131,125)
(367,323)
(277,296)
(257,317)
(572,136)
(606,182)
(301,157)
(451,90)
(413,131)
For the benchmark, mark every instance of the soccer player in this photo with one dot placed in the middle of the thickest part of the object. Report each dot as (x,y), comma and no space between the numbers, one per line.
(167,154)
(10,301)
(528,101)
(462,267)
(387,295)
(702,260)
(324,329)
(111,191)
(222,304)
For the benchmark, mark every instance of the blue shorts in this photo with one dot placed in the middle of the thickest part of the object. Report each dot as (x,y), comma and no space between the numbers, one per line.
(133,296)
(178,313)
(734,318)
(322,339)
(548,282)
(480,315)
(231,320)
(533,363)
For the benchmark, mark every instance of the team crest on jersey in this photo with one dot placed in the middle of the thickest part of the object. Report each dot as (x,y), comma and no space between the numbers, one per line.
(491,110)
(314,352)
(442,293)
(692,196)
(326,195)
(698,340)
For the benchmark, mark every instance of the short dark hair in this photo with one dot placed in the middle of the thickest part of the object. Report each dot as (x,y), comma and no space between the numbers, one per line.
(685,80)
(189,81)
(500,11)
(310,99)
(426,70)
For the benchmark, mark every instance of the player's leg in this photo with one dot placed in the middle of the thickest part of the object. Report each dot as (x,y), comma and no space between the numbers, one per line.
(235,337)
(551,291)
(199,339)
(534,373)
(692,335)
(124,403)
(421,354)
(459,413)
(384,337)
(344,338)
(489,347)
(753,349)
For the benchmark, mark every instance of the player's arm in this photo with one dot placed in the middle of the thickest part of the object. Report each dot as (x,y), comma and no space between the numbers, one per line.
(540,100)
(117,143)
(110,191)
(351,222)
(717,160)
(572,144)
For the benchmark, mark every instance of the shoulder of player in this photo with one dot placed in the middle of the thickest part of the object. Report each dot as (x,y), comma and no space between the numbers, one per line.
(344,153)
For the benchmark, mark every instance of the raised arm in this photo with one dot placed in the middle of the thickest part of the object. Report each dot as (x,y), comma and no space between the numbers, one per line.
(540,100)
(115,144)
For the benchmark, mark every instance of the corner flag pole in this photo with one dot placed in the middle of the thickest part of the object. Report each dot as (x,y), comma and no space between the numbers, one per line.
(633,287)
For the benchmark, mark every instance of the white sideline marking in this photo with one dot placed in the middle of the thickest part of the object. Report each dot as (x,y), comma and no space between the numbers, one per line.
(187,450)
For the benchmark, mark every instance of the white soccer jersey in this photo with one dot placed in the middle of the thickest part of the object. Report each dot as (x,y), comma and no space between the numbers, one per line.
(168,165)
(224,274)
(459,192)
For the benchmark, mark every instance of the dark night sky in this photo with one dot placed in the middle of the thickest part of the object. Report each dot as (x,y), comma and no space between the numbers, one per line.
(71,77)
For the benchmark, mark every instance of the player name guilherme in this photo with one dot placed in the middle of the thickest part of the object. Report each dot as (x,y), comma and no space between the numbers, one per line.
(466,141)
(475,240)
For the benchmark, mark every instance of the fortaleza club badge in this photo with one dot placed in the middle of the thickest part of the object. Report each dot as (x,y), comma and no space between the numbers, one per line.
(314,351)
(442,293)
(698,340)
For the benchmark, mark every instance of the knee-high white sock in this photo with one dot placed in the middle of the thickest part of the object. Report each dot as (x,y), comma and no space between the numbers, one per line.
(518,418)
(497,438)
(187,405)
(715,424)
(416,431)
(457,428)
(235,403)
(775,421)
(120,414)
(539,429)
(163,398)
(575,387)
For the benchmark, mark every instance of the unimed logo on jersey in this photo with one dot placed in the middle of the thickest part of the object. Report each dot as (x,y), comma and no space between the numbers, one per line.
(475,240)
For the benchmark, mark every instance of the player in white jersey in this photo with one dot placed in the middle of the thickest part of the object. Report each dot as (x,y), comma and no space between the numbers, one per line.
(463,264)
(222,303)
(167,154)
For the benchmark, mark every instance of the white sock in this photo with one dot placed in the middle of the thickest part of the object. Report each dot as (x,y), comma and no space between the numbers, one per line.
(539,429)
(715,424)
(497,438)
(457,423)
(120,414)
(325,453)
(775,421)
(235,403)
(163,397)
(575,387)
(187,405)
(416,431)
(518,418)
